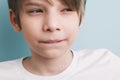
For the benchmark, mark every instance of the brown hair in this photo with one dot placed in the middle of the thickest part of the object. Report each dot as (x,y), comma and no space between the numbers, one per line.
(77,5)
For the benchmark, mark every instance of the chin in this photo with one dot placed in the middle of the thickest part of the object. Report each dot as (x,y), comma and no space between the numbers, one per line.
(52,54)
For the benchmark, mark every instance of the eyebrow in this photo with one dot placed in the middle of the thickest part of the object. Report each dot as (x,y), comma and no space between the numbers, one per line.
(32,4)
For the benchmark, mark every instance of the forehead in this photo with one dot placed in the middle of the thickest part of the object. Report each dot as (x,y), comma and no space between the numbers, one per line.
(73,4)
(51,2)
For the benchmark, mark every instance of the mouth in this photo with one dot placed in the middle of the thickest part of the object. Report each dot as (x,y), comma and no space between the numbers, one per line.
(51,41)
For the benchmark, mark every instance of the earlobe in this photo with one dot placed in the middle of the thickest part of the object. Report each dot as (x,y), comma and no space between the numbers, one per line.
(13,21)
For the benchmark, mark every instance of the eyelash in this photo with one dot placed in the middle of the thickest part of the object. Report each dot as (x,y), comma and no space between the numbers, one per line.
(35,11)
(67,10)
(41,11)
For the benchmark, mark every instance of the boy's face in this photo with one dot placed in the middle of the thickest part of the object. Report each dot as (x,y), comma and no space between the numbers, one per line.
(48,28)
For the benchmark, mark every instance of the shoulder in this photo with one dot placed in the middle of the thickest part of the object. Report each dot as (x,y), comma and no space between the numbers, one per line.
(101,61)
(9,64)
(7,68)
(94,51)
(99,57)
(97,53)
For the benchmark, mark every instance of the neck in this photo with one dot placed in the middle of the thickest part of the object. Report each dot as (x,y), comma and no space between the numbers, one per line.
(47,67)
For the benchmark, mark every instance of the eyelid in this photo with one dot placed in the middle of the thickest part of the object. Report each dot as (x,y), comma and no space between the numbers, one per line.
(35,11)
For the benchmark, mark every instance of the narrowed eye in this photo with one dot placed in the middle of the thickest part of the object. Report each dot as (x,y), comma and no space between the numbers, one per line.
(35,11)
(67,10)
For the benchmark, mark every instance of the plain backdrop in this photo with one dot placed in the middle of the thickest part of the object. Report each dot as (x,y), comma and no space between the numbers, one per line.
(101,29)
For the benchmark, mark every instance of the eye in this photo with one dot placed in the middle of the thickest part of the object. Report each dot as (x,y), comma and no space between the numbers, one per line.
(67,10)
(35,11)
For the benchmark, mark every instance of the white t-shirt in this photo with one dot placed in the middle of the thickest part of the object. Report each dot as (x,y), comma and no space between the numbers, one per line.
(98,64)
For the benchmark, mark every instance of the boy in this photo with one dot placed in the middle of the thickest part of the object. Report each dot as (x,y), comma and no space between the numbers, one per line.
(49,27)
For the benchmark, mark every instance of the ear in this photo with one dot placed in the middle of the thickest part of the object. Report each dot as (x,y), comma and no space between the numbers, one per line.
(13,21)
(82,20)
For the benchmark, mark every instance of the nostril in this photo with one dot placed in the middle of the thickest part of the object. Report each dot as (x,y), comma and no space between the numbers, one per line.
(58,29)
(49,30)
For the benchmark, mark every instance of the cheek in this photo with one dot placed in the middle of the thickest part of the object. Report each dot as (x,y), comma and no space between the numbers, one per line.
(30,29)
(72,25)
(72,28)
(30,25)
(72,21)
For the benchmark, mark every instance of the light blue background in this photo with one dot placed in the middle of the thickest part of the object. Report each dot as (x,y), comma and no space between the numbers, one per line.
(101,29)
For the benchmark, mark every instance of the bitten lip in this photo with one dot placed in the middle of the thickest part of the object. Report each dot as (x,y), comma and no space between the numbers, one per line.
(51,41)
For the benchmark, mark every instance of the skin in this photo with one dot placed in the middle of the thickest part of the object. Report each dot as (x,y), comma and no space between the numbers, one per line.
(49,30)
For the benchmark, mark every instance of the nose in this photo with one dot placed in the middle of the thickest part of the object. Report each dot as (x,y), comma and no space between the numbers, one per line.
(51,23)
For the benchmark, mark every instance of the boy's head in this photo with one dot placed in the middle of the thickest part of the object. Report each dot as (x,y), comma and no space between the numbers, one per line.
(78,5)
(48,26)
